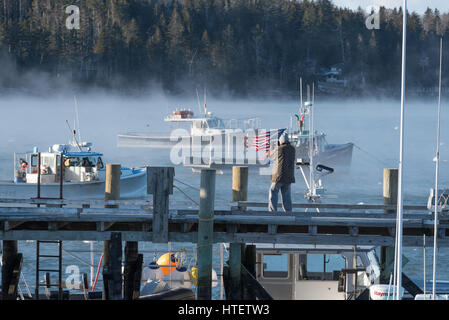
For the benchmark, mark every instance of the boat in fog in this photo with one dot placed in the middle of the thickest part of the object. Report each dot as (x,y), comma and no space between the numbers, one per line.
(311,144)
(202,128)
(38,175)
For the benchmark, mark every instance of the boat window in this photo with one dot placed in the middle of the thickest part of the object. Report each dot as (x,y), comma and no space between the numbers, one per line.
(359,262)
(99,163)
(216,124)
(47,164)
(323,267)
(275,265)
(34,160)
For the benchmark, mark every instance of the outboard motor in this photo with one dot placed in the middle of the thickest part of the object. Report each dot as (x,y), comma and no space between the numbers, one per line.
(443,196)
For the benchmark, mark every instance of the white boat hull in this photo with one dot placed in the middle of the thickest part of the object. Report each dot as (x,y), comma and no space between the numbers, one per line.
(131,186)
(336,155)
(146,141)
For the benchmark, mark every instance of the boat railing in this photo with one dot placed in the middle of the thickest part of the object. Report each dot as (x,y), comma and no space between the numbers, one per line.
(243,124)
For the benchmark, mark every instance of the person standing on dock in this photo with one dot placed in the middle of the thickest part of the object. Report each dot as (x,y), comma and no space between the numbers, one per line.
(283,174)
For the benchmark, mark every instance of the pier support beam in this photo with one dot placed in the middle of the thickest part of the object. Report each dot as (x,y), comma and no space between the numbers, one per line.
(235,271)
(205,234)
(115,267)
(250,259)
(11,265)
(131,256)
(111,192)
(390,195)
(160,185)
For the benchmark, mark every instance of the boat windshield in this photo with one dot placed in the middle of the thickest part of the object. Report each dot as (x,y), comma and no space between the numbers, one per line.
(84,162)
(216,124)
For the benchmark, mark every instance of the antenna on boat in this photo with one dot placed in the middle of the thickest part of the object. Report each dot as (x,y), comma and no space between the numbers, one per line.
(205,100)
(198,97)
(437,162)
(73,132)
(399,225)
(77,119)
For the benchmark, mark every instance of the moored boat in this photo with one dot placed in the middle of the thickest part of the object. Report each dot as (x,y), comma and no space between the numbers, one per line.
(83,175)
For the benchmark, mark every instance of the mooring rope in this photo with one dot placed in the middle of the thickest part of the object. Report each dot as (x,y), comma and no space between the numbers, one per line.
(188,185)
(185,194)
(78,258)
(371,155)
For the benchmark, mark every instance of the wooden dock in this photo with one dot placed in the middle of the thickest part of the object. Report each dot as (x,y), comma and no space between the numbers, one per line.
(243,223)
(339,224)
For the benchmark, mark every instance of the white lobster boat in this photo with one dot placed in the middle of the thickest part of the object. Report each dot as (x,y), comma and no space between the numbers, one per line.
(202,129)
(310,143)
(83,175)
(317,272)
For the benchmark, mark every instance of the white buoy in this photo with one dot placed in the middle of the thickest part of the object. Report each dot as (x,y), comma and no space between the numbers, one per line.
(152,273)
(180,278)
(384,292)
(214,278)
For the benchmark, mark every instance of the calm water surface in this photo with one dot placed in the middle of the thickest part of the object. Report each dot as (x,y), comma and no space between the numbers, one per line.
(372,125)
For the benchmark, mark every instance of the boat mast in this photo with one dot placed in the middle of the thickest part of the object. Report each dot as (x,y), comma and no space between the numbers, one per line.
(312,129)
(437,162)
(398,250)
(310,142)
(300,95)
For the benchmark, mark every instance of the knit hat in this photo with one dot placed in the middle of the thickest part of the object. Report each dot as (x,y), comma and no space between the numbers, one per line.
(283,138)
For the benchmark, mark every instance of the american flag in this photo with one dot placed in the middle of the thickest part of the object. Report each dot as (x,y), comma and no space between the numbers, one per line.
(262,141)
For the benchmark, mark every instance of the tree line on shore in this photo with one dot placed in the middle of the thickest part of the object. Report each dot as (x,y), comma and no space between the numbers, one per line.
(234,46)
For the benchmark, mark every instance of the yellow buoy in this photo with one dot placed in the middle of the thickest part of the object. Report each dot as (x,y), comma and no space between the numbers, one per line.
(164,261)
(194,275)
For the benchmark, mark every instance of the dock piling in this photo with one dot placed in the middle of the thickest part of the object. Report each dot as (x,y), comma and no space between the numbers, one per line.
(111,192)
(205,234)
(131,257)
(239,183)
(390,196)
(235,270)
(115,265)
(11,265)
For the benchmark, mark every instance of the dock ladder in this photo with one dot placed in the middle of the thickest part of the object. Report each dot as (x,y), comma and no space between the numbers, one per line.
(47,283)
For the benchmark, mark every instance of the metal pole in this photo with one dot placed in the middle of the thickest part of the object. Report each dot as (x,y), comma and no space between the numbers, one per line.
(61,176)
(401,153)
(424,258)
(221,271)
(39,176)
(435,232)
(205,234)
(60,291)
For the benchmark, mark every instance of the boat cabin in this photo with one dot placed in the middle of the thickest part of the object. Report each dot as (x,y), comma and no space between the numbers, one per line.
(309,272)
(78,166)
(208,124)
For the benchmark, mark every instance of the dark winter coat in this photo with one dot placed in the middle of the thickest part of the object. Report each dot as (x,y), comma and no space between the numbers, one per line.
(284,159)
